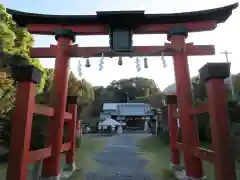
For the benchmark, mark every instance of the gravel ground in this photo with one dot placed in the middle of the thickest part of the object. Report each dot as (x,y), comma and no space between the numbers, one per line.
(120,160)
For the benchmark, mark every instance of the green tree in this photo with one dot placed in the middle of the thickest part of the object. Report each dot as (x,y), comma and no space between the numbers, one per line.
(83,90)
(156,100)
(132,89)
(136,89)
(15,44)
(49,79)
(80,88)
(102,95)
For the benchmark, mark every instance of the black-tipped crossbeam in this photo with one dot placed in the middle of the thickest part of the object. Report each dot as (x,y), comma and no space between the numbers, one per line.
(214,71)
(67,33)
(179,30)
(27,73)
(72,99)
(170,99)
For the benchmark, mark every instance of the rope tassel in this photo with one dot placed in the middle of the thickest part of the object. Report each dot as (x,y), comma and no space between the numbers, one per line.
(87,63)
(145,62)
(120,61)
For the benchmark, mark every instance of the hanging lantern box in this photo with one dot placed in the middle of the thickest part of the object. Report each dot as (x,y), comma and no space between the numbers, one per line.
(121,39)
(121,28)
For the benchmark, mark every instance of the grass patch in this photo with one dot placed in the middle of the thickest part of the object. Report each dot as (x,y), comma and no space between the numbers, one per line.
(85,154)
(3,171)
(84,159)
(158,154)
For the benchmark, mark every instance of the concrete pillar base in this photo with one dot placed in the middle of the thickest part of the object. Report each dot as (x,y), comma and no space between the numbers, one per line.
(192,178)
(181,173)
(51,178)
(176,167)
(70,167)
(68,170)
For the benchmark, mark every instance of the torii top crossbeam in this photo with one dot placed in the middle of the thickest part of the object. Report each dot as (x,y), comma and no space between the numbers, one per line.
(141,22)
(138,21)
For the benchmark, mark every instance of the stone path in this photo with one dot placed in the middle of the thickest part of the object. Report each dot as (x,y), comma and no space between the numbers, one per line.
(120,160)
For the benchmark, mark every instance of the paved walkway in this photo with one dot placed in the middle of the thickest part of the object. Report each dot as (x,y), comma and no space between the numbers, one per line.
(120,159)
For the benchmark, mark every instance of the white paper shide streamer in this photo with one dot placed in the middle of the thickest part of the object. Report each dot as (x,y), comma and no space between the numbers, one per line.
(138,66)
(79,68)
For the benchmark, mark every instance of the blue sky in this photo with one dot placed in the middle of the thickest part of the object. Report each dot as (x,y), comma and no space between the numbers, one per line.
(224,37)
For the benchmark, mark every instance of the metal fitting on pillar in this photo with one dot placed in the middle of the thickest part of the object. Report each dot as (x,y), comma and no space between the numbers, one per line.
(68,33)
(177,31)
(214,70)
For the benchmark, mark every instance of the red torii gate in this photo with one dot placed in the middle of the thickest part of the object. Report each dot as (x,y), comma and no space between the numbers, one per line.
(221,154)
(65,28)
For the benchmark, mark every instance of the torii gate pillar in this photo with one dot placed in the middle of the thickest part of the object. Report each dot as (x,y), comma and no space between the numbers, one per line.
(171,101)
(51,165)
(190,138)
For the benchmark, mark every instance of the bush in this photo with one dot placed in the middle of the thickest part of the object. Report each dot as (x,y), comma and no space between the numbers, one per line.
(39,132)
(6,126)
(203,123)
(165,137)
(78,142)
(38,135)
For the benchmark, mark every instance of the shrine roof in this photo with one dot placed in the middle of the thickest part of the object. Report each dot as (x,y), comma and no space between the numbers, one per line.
(219,15)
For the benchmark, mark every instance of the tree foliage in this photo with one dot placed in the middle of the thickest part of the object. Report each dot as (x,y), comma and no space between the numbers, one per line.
(136,89)
(133,88)
(15,44)
(80,88)
(200,97)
